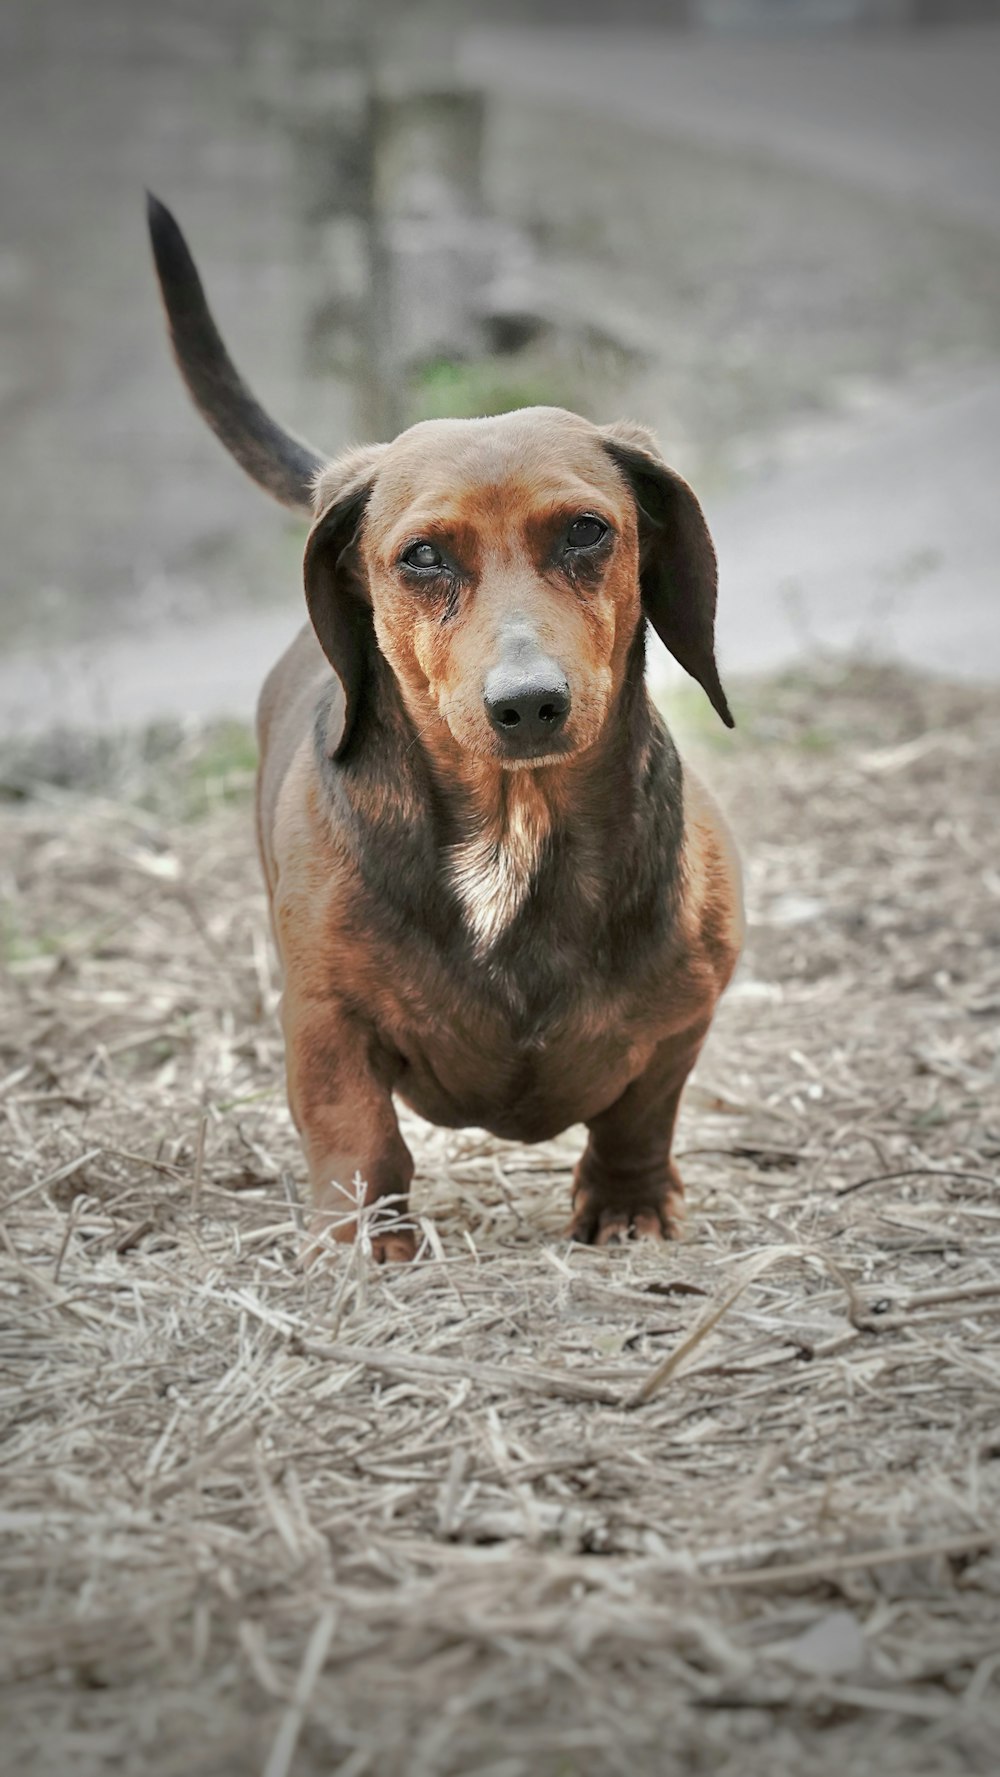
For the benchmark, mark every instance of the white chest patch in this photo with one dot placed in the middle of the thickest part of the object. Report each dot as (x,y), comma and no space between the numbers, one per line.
(492,875)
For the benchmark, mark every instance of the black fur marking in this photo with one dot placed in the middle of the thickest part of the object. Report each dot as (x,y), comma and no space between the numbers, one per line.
(272,457)
(385,804)
(452,602)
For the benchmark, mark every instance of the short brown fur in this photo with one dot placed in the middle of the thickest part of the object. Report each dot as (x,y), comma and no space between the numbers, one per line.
(518,937)
(367,1011)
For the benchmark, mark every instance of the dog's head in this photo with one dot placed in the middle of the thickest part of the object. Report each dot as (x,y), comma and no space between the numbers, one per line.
(502,567)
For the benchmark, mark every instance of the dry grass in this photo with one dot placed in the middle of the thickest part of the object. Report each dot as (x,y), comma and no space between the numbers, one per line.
(730,1506)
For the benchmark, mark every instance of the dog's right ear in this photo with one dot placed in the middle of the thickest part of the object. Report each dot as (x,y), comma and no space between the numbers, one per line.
(336,589)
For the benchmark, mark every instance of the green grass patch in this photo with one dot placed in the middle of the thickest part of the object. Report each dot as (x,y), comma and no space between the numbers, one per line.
(20,946)
(779,711)
(449,389)
(221,770)
(169,769)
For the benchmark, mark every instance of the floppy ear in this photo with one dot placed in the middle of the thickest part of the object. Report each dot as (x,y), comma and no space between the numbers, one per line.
(336,592)
(678,575)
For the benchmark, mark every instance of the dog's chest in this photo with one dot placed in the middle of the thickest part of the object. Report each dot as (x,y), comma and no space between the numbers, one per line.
(517,861)
(509,993)
(520,1051)
(492,873)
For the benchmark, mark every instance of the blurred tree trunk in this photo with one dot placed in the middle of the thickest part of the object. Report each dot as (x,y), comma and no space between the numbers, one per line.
(331,122)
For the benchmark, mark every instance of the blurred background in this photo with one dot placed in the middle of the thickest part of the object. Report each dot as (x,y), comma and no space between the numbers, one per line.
(768,228)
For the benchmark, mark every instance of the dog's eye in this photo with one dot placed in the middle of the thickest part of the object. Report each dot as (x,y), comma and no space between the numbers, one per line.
(586,532)
(422,556)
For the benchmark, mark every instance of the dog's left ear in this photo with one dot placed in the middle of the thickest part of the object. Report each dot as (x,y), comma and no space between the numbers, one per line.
(678,574)
(336,589)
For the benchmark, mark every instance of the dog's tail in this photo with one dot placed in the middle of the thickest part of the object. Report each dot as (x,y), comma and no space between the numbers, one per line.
(281,464)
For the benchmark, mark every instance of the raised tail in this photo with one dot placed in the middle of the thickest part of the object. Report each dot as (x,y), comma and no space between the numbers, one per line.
(279,463)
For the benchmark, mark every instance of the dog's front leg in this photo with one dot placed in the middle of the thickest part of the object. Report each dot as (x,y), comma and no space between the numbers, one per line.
(340,1095)
(626,1184)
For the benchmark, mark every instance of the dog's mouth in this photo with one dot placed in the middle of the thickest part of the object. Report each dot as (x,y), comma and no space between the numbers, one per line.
(521,745)
(516,754)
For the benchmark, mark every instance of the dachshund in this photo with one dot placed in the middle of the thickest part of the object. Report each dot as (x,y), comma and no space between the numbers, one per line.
(494,889)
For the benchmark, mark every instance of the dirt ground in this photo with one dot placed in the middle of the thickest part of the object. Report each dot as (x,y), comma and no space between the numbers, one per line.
(726,1506)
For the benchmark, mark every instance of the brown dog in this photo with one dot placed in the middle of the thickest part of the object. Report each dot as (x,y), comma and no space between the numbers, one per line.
(493,889)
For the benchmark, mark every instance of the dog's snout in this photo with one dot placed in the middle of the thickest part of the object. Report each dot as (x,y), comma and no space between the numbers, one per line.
(527,705)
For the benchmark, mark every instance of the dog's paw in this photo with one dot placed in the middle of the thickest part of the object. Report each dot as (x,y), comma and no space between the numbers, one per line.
(385,1240)
(600,1218)
(397,1246)
(614,1227)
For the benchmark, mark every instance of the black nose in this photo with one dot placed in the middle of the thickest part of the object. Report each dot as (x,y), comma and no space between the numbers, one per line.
(527,707)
